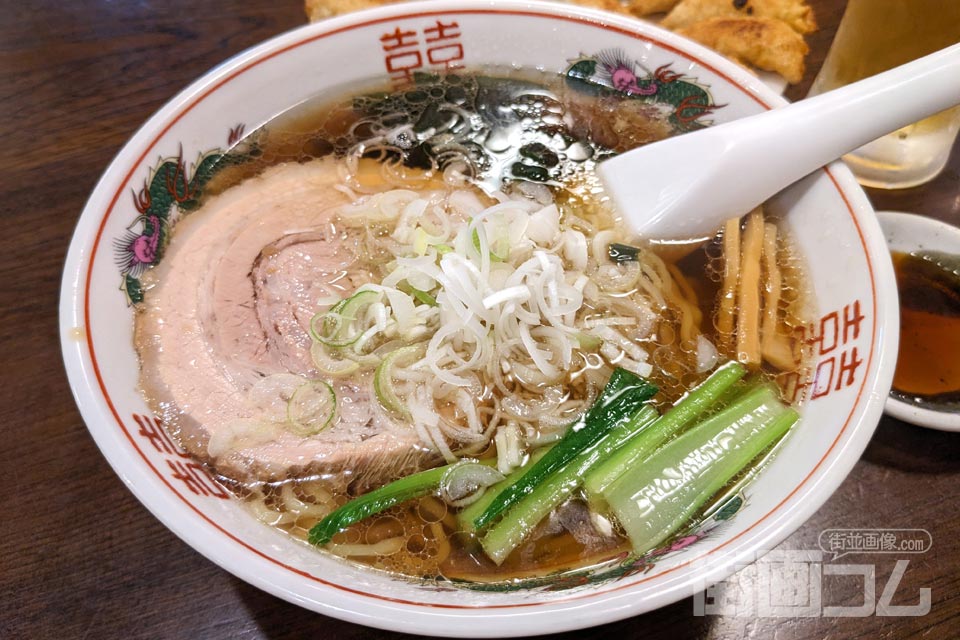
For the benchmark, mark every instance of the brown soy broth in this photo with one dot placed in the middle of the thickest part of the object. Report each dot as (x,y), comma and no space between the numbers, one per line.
(537,101)
(928,362)
(545,552)
(428,543)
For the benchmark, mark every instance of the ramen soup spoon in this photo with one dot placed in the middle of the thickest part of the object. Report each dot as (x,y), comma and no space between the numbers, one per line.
(685,187)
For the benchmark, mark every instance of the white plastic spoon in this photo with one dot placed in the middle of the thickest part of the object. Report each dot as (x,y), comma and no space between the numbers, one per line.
(686,187)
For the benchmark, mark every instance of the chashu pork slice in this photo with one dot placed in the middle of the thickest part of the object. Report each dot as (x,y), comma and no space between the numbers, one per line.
(224,324)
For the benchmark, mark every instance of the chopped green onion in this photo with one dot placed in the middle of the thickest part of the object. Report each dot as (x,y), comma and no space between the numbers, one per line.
(467,481)
(330,365)
(311,408)
(334,328)
(423,296)
(588,342)
(499,249)
(383,377)
(421,241)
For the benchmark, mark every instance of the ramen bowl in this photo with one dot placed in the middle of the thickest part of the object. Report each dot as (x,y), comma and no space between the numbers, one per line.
(850,339)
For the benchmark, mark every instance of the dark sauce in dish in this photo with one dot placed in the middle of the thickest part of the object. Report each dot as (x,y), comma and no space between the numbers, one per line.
(928,364)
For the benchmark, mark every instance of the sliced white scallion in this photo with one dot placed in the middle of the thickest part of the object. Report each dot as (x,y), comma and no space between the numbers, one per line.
(540,357)
(270,395)
(466,482)
(510,453)
(588,342)
(575,249)
(383,383)
(616,321)
(642,369)
(312,408)
(380,207)
(403,309)
(517,294)
(339,326)
(707,355)
(410,214)
(330,365)
(544,225)
(611,335)
(484,295)
(239,434)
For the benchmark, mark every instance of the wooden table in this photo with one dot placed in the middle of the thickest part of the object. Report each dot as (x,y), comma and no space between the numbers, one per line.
(82,558)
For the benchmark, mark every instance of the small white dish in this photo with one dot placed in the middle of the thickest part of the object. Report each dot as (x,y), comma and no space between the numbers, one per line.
(908,232)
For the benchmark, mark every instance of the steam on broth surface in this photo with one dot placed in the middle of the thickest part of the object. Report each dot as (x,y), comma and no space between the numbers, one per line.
(398,280)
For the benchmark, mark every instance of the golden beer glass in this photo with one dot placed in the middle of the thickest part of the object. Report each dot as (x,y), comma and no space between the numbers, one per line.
(877,35)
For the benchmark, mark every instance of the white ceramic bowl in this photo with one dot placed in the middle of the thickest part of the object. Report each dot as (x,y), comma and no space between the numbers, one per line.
(908,233)
(853,337)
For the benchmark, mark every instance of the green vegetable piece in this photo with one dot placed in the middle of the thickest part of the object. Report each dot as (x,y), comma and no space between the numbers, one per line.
(587,341)
(683,413)
(623,395)
(379,500)
(621,253)
(423,297)
(652,501)
(415,486)
(499,248)
(530,172)
(540,154)
(520,520)
(332,327)
(383,377)
(727,502)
